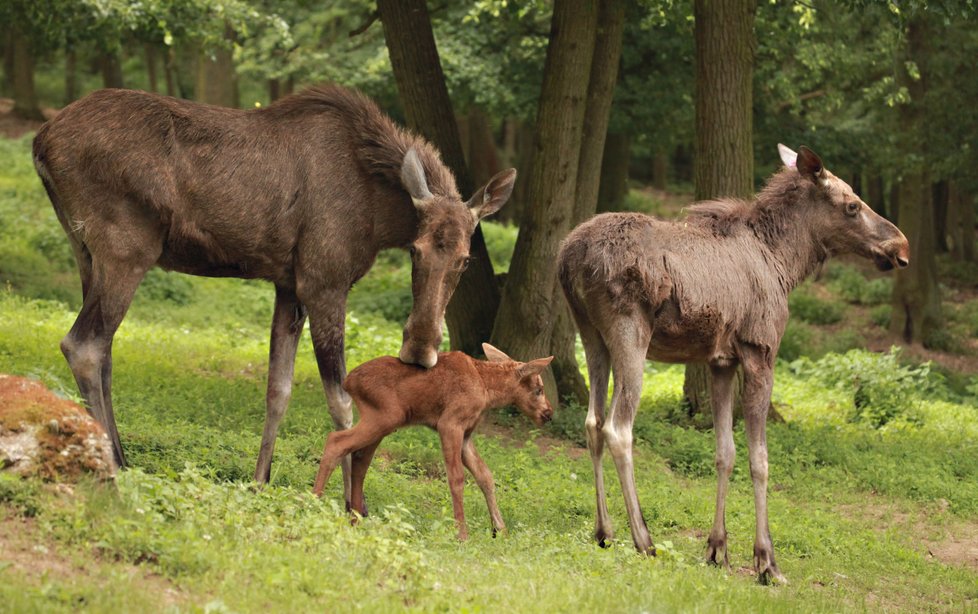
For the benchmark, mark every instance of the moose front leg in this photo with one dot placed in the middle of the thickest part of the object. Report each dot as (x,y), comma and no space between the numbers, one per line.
(287,324)
(758,382)
(327,312)
(722,401)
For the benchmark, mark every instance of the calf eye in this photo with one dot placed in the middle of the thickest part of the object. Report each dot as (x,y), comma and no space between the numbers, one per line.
(852,208)
(413,251)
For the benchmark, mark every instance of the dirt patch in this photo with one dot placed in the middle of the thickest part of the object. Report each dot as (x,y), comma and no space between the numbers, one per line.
(24,549)
(517,438)
(14,127)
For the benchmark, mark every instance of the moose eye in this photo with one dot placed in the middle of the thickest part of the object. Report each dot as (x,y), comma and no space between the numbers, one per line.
(464,264)
(852,208)
(538,392)
(413,251)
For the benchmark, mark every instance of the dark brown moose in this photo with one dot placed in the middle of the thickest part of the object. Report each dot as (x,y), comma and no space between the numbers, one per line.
(303,193)
(450,398)
(711,289)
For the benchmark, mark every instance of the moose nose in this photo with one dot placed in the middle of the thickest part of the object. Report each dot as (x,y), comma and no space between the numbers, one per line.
(426,357)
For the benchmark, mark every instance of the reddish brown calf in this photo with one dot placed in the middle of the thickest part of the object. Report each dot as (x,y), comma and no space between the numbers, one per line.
(450,398)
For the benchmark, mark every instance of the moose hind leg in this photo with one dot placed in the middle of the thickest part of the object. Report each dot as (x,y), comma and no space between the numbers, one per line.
(88,345)
(598,369)
(287,324)
(628,346)
(722,401)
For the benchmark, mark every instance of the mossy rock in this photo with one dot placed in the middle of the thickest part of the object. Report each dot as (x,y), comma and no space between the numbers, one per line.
(45,436)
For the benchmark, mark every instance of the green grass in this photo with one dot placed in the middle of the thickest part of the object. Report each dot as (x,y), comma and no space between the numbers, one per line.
(874,464)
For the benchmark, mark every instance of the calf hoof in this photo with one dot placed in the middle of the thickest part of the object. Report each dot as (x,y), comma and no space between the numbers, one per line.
(714,547)
(603,536)
(499,531)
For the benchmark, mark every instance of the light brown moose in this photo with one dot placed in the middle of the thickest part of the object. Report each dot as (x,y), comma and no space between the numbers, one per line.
(710,289)
(304,194)
(451,398)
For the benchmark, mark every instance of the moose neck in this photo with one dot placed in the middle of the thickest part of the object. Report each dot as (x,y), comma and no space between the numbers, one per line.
(395,219)
(500,382)
(784,227)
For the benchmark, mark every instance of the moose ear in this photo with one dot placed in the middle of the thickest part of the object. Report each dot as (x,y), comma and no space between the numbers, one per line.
(493,195)
(787,156)
(809,164)
(412,177)
(534,367)
(495,354)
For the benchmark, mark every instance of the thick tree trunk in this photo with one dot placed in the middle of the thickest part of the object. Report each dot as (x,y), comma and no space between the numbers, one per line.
(71,76)
(7,84)
(525,153)
(916,298)
(601,89)
(614,172)
(524,324)
(111,66)
(940,198)
(428,109)
(723,164)
(217,81)
(22,64)
(149,50)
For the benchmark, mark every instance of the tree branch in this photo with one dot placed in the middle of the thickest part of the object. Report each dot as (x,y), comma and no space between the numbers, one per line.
(371,18)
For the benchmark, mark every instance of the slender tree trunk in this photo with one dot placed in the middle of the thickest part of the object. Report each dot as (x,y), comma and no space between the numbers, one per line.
(149,50)
(916,299)
(428,109)
(170,70)
(893,206)
(217,82)
(874,193)
(966,215)
(601,89)
(22,64)
(71,76)
(857,184)
(524,324)
(614,172)
(7,37)
(660,169)
(274,90)
(110,64)
(955,230)
(724,159)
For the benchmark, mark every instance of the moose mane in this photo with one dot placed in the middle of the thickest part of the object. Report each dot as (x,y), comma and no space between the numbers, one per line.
(766,215)
(379,144)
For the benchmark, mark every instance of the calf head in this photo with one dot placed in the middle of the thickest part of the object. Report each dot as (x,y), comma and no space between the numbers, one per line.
(527,384)
(842,222)
(440,253)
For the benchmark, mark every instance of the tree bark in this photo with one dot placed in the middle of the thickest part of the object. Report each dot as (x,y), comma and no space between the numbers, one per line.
(966,216)
(170,71)
(482,156)
(723,164)
(151,73)
(601,89)
(111,66)
(916,299)
(428,110)
(71,76)
(614,172)
(874,193)
(955,227)
(524,324)
(217,81)
(7,84)
(660,169)
(274,90)
(22,64)
(941,197)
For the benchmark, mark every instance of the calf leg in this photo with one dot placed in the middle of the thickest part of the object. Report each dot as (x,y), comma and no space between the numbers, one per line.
(327,310)
(483,477)
(339,446)
(628,344)
(598,369)
(287,323)
(722,401)
(361,462)
(758,382)
(451,448)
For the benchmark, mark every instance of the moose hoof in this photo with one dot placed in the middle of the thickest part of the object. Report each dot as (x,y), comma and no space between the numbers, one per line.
(714,548)
(603,537)
(768,573)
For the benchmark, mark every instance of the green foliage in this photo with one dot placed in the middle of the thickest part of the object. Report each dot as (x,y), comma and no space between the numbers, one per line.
(881,314)
(849,283)
(813,309)
(19,494)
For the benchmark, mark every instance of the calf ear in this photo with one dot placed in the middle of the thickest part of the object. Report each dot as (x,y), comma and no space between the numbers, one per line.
(787,156)
(490,198)
(494,354)
(413,179)
(809,164)
(534,367)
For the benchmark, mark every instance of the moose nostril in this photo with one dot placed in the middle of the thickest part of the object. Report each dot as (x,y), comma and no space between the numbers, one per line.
(902,262)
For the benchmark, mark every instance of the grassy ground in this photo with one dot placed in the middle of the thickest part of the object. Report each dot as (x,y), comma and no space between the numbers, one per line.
(873,502)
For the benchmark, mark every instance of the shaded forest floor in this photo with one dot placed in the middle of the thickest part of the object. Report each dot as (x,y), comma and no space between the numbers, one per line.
(873,487)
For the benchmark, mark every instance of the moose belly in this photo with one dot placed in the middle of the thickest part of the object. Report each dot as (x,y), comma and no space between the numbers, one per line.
(198,252)
(699,336)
